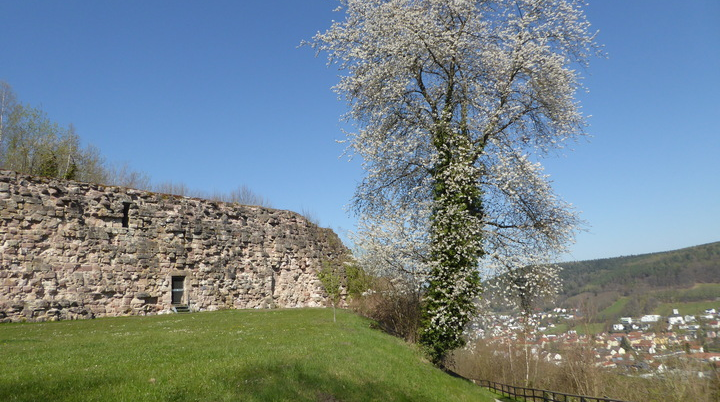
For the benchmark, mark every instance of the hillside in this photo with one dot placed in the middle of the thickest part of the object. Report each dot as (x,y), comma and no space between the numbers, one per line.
(230,355)
(642,283)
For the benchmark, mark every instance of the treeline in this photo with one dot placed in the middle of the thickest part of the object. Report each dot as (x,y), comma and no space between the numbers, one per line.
(672,269)
(32,143)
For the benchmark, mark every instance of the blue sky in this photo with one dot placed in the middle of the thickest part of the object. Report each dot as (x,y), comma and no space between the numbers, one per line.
(216,94)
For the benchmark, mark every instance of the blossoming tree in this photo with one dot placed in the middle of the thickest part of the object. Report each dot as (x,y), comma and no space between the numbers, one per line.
(454,101)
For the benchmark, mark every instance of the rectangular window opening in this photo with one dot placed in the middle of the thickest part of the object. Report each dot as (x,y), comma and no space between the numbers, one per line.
(126,214)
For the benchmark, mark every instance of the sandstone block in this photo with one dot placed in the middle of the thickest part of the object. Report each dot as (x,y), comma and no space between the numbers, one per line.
(68,239)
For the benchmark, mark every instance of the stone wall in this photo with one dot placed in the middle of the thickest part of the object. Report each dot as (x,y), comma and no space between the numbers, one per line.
(76,250)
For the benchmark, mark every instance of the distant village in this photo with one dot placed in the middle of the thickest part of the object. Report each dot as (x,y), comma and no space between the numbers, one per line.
(648,345)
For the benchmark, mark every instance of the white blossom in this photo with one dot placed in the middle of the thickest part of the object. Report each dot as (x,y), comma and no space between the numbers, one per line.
(464,94)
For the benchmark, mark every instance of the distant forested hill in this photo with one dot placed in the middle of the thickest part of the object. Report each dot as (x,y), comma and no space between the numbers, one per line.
(643,281)
(678,268)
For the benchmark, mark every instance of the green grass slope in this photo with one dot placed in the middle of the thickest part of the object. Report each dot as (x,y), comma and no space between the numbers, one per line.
(270,355)
(693,301)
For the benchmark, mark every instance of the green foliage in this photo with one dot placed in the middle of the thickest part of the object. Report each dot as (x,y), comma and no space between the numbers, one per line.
(72,172)
(270,355)
(443,333)
(333,280)
(678,268)
(690,301)
(629,306)
(454,101)
(614,311)
(700,292)
(357,280)
(33,144)
(693,308)
(644,280)
(48,165)
(456,245)
(395,307)
(341,278)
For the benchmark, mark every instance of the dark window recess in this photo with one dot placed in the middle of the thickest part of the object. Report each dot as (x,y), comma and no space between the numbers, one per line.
(178,288)
(126,214)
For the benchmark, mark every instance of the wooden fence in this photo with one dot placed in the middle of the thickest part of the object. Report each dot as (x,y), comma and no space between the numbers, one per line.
(539,395)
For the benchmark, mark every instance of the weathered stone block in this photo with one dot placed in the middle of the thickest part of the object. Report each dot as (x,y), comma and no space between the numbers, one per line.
(66,238)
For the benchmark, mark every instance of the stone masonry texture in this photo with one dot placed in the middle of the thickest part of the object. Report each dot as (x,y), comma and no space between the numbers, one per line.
(71,250)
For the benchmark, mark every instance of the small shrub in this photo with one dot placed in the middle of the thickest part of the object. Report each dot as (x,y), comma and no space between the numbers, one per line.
(393,306)
(333,280)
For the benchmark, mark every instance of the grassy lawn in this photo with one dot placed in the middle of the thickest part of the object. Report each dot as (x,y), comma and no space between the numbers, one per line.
(614,309)
(258,355)
(692,308)
(590,329)
(557,329)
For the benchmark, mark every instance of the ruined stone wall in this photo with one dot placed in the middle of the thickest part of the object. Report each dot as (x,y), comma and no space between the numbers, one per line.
(76,250)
